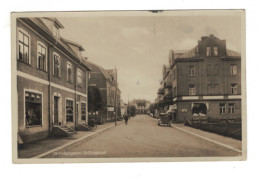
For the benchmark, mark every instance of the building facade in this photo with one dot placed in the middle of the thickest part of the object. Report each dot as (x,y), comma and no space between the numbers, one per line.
(106,81)
(51,79)
(141,105)
(205,81)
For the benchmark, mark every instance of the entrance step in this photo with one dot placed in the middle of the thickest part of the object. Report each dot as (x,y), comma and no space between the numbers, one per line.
(63,131)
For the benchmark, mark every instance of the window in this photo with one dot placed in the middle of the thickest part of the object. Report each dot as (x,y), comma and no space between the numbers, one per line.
(208,51)
(69,72)
(33,109)
(174,74)
(79,77)
(199,109)
(23,48)
(41,56)
(233,69)
(212,69)
(108,92)
(192,70)
(231,108)
(56,65)
(69,110)
(233,88)
(192,90)
(215,50)
(222,108)
(83,111)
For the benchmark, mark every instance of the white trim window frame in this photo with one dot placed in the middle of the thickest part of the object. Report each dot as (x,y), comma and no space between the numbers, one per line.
(56,65)
(69,107)
(192,70)
(215,51)
(231,108)
(23,43)
(233,69)
(42,55)
(69,76)
(222,108)
(233,88)
(32,99)
(79,77)
(208,51)
(192,90)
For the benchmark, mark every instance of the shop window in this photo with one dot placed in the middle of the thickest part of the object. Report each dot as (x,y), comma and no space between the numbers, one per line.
(233,69)
(233,88)
(56,65)
(23,47)
(222,108)
(69,72)
(69,110)
(41,57)
(231,108)
(192,90)
(83,111)
(33,109)
(191,70)
(199,109)
(208,51)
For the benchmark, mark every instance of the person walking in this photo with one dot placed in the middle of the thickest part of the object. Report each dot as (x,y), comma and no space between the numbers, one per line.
(126,119)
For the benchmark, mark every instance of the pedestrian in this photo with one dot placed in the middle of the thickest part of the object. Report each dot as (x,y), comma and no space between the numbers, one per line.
(126,119)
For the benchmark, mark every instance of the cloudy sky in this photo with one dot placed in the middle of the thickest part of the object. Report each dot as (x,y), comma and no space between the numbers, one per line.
(138,45)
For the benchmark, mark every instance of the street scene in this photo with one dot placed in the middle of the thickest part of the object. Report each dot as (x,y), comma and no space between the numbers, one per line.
(149,84)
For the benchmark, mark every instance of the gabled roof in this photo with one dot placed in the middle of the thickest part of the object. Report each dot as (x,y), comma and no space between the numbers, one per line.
(73,43)
(56,22)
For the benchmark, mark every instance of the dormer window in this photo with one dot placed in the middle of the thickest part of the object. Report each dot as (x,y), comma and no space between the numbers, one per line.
(215,50)
(208,52)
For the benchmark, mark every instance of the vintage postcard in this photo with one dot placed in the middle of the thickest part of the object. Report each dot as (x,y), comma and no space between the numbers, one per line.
(128,86)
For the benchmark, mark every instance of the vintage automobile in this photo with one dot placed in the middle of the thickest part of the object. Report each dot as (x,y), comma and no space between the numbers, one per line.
(164,119)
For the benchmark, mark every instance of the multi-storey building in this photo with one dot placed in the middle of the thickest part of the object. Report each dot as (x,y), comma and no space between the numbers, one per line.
(51,79)
(106,82)
(141,105)
(206,81)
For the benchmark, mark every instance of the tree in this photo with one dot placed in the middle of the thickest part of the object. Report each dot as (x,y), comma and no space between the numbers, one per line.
(94,99)
(132,110)
(152,108)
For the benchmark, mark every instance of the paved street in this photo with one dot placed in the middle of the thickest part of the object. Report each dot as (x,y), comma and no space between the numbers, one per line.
(142,137)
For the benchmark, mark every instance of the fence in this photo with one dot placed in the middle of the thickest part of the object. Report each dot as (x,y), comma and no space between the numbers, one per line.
(225,127)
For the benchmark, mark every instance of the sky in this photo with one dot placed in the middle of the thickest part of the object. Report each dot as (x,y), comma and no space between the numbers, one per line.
(138,45)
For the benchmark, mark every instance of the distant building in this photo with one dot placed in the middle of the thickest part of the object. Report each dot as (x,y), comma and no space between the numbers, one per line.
(52,79)
(205,81)
(106,82)
(141,105)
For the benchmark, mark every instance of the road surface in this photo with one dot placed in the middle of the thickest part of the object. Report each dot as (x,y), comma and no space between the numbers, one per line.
(142,137)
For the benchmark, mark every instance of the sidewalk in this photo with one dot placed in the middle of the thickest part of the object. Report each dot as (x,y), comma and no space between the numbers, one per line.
(237,144)
(43,146)
(212,137)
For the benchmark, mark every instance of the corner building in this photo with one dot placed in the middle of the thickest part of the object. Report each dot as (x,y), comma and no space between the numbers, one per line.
(206,82)
(51,79)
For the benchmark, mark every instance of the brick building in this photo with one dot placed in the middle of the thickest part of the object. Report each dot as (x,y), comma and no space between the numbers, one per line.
(51,79)
(204,81)
(106,81)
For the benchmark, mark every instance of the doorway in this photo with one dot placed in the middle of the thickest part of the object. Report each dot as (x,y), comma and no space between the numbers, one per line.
(56,110)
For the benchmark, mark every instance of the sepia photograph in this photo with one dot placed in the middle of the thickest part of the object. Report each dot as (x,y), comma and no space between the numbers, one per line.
(128,86)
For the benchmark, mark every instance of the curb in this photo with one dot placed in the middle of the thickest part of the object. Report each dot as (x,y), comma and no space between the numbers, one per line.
(87,137)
